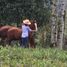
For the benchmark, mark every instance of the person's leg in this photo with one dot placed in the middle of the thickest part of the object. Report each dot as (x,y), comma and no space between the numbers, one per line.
(26,42)
(23,42)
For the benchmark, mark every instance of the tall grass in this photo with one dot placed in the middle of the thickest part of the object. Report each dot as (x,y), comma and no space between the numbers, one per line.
(29,57)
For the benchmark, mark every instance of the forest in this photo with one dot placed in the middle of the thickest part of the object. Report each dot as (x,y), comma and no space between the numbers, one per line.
(13,11)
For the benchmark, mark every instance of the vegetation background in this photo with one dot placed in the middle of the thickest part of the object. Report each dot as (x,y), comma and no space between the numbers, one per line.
(11,13)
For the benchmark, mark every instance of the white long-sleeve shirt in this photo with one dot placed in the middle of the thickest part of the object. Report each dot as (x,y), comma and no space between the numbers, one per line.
(25,31)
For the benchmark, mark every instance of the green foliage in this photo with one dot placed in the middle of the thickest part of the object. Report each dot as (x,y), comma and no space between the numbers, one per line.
(12,11)
(38,57)
(43,36)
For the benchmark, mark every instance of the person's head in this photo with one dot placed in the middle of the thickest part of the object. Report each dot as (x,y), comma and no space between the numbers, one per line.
(26,22)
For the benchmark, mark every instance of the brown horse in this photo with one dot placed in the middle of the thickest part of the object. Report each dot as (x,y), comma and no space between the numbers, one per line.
(14,33)
(31,34)
(3,32)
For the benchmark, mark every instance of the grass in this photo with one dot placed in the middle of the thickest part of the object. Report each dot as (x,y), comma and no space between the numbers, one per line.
(38,57)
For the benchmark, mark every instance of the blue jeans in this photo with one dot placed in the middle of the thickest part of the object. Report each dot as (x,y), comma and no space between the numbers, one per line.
(25,42)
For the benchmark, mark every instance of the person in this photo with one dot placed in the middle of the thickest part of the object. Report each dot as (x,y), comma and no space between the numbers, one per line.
(25,32)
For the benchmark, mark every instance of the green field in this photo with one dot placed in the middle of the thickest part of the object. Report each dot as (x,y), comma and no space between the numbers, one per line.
(28,57)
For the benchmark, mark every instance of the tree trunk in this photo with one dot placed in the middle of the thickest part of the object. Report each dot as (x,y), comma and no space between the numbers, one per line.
(53,24)
(60,12)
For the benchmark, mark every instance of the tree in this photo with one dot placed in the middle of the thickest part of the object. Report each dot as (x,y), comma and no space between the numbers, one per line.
(60,12)
(53,24)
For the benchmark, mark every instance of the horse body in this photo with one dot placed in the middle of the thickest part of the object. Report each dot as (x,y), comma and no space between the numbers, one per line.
(3,33)
(13,33)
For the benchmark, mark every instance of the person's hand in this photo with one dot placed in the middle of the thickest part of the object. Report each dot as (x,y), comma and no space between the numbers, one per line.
(36,26)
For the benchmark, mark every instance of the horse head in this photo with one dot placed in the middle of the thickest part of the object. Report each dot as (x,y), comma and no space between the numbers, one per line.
(32,25)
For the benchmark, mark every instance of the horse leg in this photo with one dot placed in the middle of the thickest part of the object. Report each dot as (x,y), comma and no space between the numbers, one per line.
(32,43)
(20,41)
(2,41)
(8,41)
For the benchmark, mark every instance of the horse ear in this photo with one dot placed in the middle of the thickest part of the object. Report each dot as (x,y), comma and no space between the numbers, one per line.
(35,21)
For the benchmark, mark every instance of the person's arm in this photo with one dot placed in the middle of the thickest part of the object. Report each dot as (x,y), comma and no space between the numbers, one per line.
(35,28)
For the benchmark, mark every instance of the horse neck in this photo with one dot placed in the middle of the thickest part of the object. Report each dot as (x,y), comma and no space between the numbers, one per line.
(32,26)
